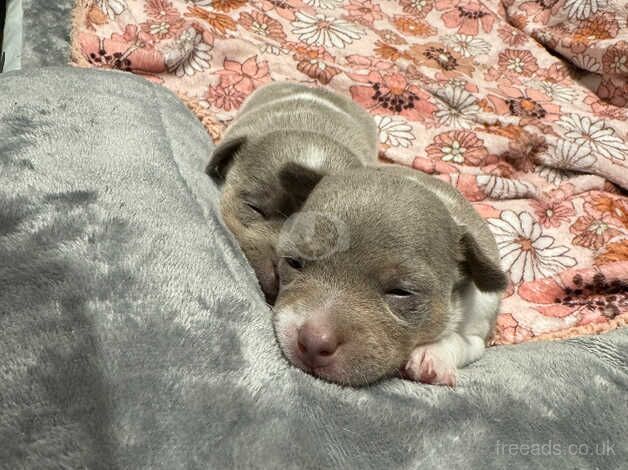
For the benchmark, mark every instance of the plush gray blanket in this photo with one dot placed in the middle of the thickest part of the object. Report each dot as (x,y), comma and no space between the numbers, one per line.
(133,334)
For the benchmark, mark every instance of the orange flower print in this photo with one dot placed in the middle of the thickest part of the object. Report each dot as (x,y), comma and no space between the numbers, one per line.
(593,232)
(615,60)
(391,37)
(512,36)
(226,5)
(526,103)
(315,63)
(542,10)
(245,76)
(600,27)
(417,8)
(363,11)
(262,25)
(392,94)
(228,98)
(459,147)
(553,212)
(386,51)
(414,27)
(517,62)
(613,253)
(466,15)
(613,206)
(218,22)
(161,10)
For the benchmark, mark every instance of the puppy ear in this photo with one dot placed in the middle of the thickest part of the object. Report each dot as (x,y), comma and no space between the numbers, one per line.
(299,181)
(222,157)
(486,274)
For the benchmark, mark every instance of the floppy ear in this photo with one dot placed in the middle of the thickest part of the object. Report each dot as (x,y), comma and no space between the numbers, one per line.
(486,274)
(299,181)
(222,157)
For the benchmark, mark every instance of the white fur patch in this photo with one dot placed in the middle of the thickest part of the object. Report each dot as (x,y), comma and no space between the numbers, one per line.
(311,97)
(314,158)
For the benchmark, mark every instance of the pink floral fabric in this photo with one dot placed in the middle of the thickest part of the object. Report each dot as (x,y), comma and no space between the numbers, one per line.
(461,89)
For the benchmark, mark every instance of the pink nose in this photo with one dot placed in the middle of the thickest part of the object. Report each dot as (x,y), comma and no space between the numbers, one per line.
(317,344)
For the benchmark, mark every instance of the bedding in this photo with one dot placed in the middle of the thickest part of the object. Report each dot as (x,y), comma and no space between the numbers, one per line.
(45,32)
(459,89)
(11,43)
(133,334)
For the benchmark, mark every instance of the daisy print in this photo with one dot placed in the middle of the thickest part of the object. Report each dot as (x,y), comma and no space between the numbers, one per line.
(394,131)
(526,253)
(466,45)
(457,108)
(594,135)
(189,55)
(111,8)
(581,9)
(586,62)
(498,187)
(570,155)
(556,91)
(324,30)
(555,176)
(323,4)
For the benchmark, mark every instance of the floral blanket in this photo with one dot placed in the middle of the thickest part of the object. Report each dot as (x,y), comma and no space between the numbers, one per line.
(520,104)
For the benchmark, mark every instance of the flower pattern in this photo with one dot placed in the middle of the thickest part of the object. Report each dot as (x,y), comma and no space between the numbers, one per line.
(189,54)
(526,253)
(458,147)
(594,135)
(321,30)
(394,132)
(457,108)
(534,135)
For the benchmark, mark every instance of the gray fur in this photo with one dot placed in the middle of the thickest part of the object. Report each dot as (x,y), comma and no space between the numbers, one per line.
(279,124)
(405,232)
(133,334)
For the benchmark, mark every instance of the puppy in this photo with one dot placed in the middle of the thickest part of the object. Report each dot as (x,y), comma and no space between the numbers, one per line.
(283,123)
(384,271)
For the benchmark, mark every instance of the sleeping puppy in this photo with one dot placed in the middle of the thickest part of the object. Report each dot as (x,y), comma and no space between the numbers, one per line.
(384,271)
(283,123)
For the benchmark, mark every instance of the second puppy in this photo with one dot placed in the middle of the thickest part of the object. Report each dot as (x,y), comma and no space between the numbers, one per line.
(385,271)
(279,124)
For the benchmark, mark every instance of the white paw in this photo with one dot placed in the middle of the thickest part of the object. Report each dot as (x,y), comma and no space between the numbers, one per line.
(431,364)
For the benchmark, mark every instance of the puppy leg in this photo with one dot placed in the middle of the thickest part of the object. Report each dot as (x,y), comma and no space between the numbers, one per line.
(436,363)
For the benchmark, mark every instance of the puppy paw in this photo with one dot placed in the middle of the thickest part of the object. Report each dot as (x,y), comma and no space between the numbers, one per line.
(429,365)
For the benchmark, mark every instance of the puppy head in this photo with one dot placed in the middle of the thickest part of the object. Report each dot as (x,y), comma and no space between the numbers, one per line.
(254,204)
(368,269)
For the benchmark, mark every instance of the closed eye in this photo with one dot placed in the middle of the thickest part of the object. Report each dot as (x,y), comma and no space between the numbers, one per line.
(256,209)
(399,292)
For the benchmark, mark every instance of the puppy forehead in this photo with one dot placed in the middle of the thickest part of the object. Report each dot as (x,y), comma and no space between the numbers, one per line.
(384,217)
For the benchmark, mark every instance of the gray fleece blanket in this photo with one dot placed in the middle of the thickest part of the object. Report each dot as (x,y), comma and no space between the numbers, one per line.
(133,334)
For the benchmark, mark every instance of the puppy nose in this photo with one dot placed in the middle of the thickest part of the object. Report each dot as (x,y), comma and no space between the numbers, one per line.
(317,344)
